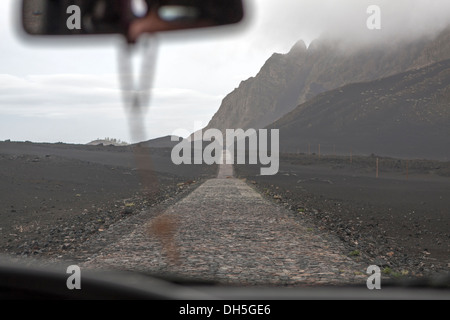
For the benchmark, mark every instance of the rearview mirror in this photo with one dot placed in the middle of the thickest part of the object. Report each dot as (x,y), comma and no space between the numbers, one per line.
(78,17)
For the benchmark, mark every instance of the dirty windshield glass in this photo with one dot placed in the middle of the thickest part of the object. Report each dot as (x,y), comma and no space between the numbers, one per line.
(307,145)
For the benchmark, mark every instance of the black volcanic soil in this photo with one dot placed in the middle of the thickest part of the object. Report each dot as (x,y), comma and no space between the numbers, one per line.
(399,221)
(53,197)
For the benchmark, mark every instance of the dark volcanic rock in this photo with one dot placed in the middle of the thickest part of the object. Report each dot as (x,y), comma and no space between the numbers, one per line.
(405,115)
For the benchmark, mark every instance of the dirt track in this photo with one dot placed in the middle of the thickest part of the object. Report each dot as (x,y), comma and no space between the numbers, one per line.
(225,232)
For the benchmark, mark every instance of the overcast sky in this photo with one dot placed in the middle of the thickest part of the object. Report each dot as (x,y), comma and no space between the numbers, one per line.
(70,92)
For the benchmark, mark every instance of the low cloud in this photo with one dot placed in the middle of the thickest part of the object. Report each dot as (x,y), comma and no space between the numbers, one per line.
(75,98)
(283,22)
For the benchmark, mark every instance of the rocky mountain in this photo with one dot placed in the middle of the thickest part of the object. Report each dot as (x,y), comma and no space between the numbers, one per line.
(404,115)
(287,80)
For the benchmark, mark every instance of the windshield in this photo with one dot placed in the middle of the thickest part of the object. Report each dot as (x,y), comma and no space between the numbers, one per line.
(306,146)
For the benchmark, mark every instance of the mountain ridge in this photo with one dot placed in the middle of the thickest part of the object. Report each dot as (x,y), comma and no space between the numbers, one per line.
(404,115)
(288,80)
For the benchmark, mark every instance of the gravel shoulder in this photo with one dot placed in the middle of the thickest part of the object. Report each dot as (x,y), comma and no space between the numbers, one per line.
(55,197)
(399,221)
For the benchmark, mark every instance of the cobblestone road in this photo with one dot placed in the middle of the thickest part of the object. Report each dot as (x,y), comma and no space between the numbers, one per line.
(226,232)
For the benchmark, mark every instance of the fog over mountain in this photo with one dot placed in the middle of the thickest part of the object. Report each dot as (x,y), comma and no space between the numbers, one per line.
(287,21)
(289,80)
